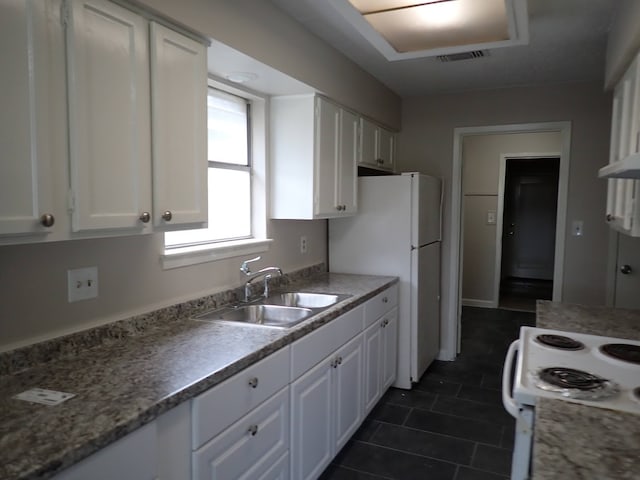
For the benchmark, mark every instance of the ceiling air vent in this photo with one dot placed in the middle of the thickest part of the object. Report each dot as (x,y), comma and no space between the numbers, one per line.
(454,57)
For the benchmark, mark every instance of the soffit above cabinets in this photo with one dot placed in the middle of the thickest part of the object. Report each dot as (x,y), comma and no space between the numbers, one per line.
(403,29)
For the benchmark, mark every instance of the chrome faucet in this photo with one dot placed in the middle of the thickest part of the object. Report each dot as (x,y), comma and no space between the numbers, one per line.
(265,272)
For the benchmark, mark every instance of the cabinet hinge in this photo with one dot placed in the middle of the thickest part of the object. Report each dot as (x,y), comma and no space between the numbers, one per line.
(64,13)
(71,201)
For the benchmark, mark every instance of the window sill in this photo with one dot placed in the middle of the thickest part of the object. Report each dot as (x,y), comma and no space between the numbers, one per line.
(183,257)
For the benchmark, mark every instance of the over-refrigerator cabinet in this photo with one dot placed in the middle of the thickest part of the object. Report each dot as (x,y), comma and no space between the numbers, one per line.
(398,232)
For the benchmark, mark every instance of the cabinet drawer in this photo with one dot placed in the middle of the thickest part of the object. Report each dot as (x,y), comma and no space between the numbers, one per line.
(380,304)
(311,349)
(237,395)
(250,447)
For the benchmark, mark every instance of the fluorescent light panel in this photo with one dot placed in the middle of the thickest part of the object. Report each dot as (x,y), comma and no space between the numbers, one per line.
(411,26)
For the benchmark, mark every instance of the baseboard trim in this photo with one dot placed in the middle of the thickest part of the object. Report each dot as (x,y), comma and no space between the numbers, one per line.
(472,302)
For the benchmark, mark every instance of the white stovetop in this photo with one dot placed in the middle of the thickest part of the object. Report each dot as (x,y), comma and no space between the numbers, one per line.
(533,356)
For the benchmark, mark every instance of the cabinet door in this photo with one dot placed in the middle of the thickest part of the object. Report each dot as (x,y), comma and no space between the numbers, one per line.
(326,158)
(348,384)
(368,148)
(389,341)
(347,175)
(312,410)
(372,365)
(109,116)
(250,447)
(625,137)
(25,193)
(386,149)
(179,129)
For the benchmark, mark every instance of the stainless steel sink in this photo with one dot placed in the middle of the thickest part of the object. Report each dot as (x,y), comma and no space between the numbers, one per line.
(268,315)
(304,299)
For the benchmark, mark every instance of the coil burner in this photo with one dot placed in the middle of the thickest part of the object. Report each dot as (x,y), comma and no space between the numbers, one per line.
(622,351)
(571,383)
(559,341)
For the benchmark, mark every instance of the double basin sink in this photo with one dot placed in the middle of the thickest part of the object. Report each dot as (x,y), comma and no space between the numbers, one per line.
(282,310)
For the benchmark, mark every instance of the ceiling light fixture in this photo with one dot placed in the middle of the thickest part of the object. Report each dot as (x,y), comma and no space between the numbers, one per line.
(405,29)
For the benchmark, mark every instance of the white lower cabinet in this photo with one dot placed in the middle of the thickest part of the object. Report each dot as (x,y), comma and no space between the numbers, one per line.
(326,409)
(381,346)
(134,457)
(252,448)
(284,417)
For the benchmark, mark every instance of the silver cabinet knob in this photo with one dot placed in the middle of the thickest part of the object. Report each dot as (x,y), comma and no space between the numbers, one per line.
(253,430)
(609,217)
(47,220)
(145,217)
(167,216)
(626,269)
(253,382)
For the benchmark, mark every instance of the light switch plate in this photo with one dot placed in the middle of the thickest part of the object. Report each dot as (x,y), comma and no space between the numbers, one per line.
(44,396)
(82,284)
(491,217)
(577,228)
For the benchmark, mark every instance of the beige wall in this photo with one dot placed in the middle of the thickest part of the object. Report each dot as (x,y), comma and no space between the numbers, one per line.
(258,29)
(481,156)
(33,297)
(624,40)
(426,145)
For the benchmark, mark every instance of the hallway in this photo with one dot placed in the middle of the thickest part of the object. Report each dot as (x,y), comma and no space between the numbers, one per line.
(452,425)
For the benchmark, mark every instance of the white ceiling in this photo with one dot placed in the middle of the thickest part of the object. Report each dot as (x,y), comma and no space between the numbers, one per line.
(567,43)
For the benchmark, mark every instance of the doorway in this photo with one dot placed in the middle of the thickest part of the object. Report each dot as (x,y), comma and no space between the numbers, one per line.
(529,204)
(452,305)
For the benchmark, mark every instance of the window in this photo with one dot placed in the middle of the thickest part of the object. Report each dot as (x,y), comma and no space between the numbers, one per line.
(237,215)
(229,174)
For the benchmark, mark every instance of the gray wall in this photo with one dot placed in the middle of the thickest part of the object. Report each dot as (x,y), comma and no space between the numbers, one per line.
(33,297)
(426,145)
(480,174)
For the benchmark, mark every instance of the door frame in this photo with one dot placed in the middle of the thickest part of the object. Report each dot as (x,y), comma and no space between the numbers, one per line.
(451,342)
(500,213)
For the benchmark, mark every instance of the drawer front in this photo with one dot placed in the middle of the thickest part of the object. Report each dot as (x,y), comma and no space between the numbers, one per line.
(380,304)
(251,447)
(313,348)
(237,395)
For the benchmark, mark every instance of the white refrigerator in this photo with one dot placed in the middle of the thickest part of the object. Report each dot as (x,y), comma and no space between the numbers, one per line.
(397,231)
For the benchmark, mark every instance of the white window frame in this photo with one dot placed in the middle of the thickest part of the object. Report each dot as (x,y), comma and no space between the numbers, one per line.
(175,257)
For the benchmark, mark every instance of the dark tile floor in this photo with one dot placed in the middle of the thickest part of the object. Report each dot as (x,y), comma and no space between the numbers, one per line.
(452,425)
(522,293)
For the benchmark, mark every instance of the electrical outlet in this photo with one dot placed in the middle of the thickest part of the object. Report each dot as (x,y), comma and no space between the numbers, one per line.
(577,228)
(82,284)
(303,244)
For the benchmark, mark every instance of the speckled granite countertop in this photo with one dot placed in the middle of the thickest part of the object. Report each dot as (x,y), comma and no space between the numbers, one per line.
(125,383)
(578,442)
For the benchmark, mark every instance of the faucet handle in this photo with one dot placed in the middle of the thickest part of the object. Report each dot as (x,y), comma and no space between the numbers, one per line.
(244,268)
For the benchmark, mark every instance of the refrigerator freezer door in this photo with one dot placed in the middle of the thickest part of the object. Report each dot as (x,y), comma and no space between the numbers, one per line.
(425,307)
(426,199)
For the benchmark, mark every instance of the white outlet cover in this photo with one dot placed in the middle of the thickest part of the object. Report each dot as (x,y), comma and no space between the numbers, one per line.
(44,396)
(82,284)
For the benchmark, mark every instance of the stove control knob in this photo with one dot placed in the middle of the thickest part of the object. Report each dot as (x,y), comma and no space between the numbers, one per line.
(625,269)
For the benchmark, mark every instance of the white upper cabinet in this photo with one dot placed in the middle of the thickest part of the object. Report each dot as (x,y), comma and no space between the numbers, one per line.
(623,170)
(313,158)
(103,130)
(377,146)
(25,189)
(109,116)
(179,129)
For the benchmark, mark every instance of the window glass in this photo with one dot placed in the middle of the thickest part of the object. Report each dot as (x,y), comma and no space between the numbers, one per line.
(229,174)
